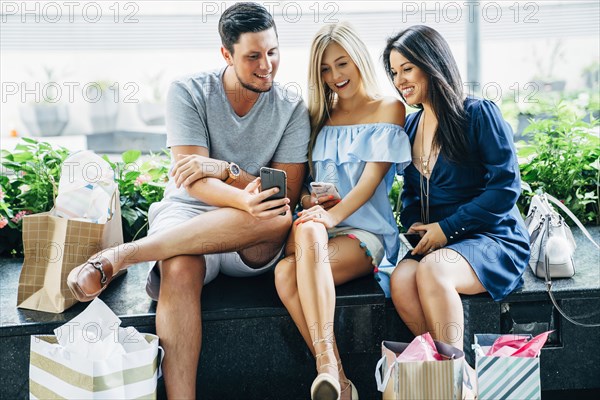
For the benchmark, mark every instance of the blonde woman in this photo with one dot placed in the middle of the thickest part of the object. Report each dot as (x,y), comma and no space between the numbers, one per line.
(356,139)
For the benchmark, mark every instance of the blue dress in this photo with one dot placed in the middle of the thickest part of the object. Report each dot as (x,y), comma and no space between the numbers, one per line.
(339,157)
(475,203)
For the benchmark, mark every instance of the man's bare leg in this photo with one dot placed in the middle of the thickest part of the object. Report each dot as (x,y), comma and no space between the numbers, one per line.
(179,323)
(178,315)
(219,231)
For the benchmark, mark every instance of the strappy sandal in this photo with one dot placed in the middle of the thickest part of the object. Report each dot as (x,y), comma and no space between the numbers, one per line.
(325,386)
(88,280)
(347,382)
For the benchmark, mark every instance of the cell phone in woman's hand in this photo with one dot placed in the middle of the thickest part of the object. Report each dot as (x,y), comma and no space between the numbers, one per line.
(322,189)
(410,240)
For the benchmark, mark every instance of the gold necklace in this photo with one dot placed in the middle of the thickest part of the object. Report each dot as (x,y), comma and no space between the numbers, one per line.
(424,180)
(424,160)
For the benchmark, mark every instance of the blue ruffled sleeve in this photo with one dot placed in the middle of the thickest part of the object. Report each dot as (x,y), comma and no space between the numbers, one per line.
(380,142)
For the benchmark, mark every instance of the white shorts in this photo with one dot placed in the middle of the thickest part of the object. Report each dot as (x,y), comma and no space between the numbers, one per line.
(371,243)
(166,214)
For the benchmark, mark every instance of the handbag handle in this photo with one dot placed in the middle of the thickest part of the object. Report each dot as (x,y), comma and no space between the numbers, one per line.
(549,290)
(560,205)
(381,380)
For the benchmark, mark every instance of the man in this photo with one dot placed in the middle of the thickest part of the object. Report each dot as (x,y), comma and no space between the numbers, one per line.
(222,126)
(242,121)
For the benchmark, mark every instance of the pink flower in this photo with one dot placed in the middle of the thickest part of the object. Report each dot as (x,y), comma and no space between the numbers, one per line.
(3,222)
(142,179)
(19,216)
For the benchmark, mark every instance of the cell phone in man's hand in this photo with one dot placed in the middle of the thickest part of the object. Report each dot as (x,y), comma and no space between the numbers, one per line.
(270,178)
(410,240)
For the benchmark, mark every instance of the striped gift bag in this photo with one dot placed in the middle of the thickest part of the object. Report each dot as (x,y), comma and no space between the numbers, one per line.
(55,373)
(419,379)
(507,378)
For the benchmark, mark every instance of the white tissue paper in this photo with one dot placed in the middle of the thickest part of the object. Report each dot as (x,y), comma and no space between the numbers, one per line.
(86,188)
(96,334)
(92,357)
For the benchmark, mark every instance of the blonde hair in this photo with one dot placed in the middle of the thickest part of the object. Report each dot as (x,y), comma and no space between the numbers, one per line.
(321,98)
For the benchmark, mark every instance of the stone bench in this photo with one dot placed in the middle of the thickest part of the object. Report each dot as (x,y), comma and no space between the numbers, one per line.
(252,349)
(248,334)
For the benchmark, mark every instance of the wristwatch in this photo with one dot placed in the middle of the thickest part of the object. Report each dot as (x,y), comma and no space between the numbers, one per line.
(233,172)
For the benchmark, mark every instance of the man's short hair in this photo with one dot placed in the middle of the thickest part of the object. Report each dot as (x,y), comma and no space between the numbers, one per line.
(242,18)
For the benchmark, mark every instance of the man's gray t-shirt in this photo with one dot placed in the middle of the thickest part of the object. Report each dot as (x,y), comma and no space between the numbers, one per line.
(276,129)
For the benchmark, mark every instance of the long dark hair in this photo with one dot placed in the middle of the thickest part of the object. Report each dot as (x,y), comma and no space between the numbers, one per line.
(428,50)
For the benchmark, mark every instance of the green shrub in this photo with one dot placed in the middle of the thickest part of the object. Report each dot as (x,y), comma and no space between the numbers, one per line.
(29,185)
(563,160)
(394,197)
(140,185)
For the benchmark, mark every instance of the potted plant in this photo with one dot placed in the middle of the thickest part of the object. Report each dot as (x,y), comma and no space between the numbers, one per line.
(104,106)
(538,110)
(48,116)
(591,75)
(152,110)
(545,62)
(593,106)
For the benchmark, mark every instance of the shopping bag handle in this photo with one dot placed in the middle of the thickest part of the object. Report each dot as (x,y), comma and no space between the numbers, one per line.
(467,381)
(160,361)
(382,383)
(113,204)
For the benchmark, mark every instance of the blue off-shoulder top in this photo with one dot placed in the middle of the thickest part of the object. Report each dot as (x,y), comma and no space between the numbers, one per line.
(340,155)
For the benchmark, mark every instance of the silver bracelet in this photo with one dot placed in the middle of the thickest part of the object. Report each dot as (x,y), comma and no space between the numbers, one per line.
(302,199)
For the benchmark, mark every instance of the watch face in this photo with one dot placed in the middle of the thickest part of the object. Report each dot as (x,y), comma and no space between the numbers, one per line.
(235,170)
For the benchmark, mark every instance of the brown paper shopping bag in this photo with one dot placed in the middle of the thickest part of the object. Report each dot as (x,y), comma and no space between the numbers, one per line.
(419,380)
(53,246)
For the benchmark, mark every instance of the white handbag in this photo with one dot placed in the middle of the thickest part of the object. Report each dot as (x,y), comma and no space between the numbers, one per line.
(552,243)
(544,224)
